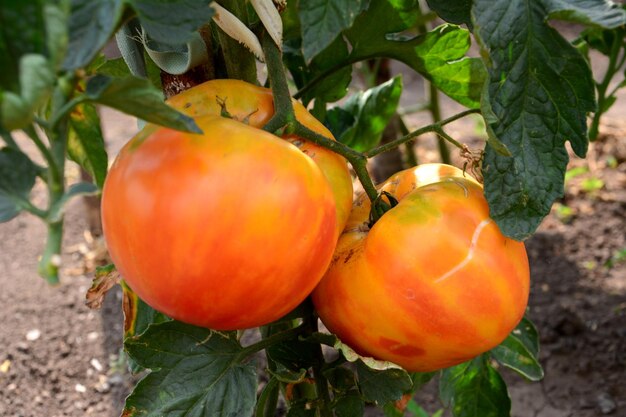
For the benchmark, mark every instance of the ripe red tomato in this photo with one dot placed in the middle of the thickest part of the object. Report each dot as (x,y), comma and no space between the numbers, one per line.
(230,229)
(434,282)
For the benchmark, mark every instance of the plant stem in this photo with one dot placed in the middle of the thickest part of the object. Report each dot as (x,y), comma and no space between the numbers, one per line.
(435,127)
(409,147)
(53,169)
(321,383)
(269,341)
(283,109)
(603,86)
(284,117)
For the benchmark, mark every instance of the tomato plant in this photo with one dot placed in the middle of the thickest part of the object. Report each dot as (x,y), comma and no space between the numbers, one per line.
(433,283)
(223,213)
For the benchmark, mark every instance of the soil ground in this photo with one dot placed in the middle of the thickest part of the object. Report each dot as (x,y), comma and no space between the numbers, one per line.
(59,358)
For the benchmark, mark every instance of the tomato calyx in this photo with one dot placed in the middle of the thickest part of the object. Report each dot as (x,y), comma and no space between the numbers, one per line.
(225,113)
(380,206)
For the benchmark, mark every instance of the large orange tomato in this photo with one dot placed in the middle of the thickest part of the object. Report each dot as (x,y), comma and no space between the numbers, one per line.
(433,283)
(254,106)
(230,229)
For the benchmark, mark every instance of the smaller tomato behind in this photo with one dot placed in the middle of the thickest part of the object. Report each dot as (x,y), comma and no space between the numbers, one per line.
(433,283)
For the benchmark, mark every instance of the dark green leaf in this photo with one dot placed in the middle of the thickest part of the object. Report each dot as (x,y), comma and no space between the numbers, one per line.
(334,82)
(438,55)
(340,378)
(382,386)
(527,333)
(86,144)
(115,68)
(265,406)
(474,389)
(514,355)
(540,90)
(371,110)
(288,376)
(339,121)
(453,11)
(195,373)
(22,31)
(293,354)
(76,190)
(323,21)
(302,409)
(17,178)
(57,38)
(137,97)
(590,12)
(172,21)
(91,25)
(350,405)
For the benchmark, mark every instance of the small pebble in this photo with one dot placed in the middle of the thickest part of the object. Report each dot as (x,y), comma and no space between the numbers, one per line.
(96,364)
(606,403)
(80,388)
(33,335)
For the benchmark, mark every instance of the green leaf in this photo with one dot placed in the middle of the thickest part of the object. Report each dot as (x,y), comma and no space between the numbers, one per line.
(36,80)
(22,31)
(540,90)
(138,97)
(91,25)
(79,189)
(323,21)
(15,113)
(57,37)
(382,386)
(589,12)
(172,21)
(350,405)
(514,355)
(474,389)
(17,178)
(334,86)
(438,55)
(86,143)
(195,373)
(340,378)
(453,11)
(293,354)
(371,111)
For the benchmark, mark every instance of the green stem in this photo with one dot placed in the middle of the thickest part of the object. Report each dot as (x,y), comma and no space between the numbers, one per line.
(356,159)
(604,85)
(409,147)
(58,133)
(283,108)
(269,341)
(65,110)
(53,169)
(321,383)
(435,127)
(435,111)
(284,116)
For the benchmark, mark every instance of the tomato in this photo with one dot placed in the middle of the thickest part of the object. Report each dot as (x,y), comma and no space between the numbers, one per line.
(254,106)
(433,283)
(228,230)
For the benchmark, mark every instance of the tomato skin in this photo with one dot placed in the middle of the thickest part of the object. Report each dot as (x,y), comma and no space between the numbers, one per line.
(254,105)
(434,283)
(228,230)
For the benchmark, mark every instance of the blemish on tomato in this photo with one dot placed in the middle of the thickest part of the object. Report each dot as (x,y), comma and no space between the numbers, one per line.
(400,348)
(349,256)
